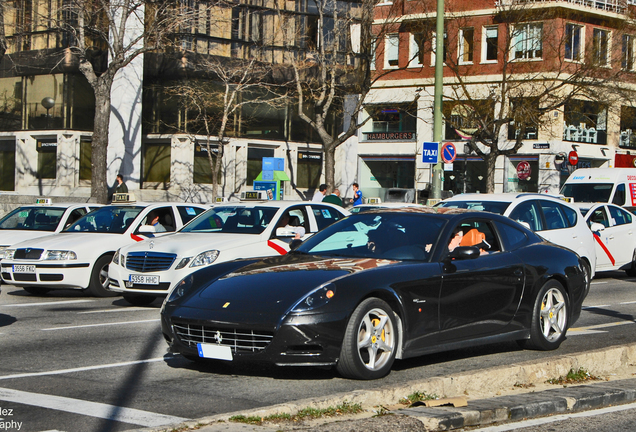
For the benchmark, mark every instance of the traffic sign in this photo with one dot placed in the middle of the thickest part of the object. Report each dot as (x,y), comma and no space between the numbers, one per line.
(449,152)
(429,152)
(573,158)
(523,170)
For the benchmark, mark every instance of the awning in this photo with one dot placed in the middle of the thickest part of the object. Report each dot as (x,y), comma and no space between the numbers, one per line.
(278,175)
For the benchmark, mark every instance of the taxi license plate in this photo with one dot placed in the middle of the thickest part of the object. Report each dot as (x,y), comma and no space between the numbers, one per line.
(144,279)
(23,269)
(212,351)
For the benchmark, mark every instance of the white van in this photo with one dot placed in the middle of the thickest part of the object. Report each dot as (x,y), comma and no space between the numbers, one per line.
(607,185)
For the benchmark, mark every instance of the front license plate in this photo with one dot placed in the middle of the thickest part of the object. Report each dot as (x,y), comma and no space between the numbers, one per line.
(213,351)
(23,269)
(144,279)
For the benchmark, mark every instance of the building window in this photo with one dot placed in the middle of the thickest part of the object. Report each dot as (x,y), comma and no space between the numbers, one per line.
(156,164)
(202,169)
(434,47)
(7,165)
(86,163)
(573,42)
(525,112)
(628,127)
(600,47)
(527,41)
(466,45)
(11,104)
(627,60)
(372,54)
(391,51)
(47,158)
(416,50)
(490,47)
(308,170)
(255,157)
(395,122)
(585,121)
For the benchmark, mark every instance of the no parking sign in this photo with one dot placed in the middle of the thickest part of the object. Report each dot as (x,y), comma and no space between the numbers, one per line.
(449,152)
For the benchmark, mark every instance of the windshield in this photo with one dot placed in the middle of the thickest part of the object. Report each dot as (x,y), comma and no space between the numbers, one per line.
(32,219)
(108,219)
(395,236)
(232,219)
(498,207)
(588,192)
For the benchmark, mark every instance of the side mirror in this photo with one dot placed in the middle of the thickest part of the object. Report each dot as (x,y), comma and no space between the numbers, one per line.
(285,232)
(465,252)
(595,227)
(147,230)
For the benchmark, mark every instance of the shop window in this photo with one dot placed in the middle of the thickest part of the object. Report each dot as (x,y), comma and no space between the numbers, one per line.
(468,175)
(466,45)
(47,158)
(395,122)
(585,121)
(86,162)
(490,48)
(202,169)
(573,42)
(392,173)
(628,127)
(523,175)
(525,113)
(255,157)
(527,41)
(600,47)
(156,164)
(45,101)
(7,165)
(308,170)
(391,51)
(627,53)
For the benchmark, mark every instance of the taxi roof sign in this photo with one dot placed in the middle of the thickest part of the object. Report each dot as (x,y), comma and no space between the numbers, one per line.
(254,195)
(44,201)
(123,198)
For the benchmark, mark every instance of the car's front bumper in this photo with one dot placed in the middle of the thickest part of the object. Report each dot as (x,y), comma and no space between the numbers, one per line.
(119,281)
(50,274)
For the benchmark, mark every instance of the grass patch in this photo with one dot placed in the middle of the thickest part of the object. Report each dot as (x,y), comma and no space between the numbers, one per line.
(574,377)
(417,397)
(304,414)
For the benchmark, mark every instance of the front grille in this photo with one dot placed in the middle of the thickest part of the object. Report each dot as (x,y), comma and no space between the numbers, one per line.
(30,254)
(51,277)
(147,262)
(24,277)
(7,276)
(240,340)
(163,286)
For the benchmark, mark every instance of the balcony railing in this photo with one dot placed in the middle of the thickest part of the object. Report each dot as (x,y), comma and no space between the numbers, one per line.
(618,6)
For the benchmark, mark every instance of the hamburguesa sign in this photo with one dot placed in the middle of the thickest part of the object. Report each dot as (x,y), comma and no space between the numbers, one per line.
(390,136)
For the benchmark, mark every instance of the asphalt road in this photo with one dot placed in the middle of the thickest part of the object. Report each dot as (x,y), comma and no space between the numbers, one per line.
(74,363)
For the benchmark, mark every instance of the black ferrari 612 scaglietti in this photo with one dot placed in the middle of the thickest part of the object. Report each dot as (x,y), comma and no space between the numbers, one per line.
(381,285)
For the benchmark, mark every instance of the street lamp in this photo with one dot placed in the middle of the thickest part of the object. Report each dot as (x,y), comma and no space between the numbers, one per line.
(48,103)
(436,181)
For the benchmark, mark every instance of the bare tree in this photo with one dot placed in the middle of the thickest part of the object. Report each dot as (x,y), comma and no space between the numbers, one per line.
(495,115)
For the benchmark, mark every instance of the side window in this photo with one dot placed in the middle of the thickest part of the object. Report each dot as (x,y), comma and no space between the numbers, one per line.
(166,219)
(527,213)
(188,213)
(476,233)
(513,237)
(554,217)
(599,216)
(325,216)
(74,215)
(620,216)
(570,214)
(619,195)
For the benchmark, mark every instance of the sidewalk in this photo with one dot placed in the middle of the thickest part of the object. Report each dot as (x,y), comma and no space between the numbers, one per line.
(494,395)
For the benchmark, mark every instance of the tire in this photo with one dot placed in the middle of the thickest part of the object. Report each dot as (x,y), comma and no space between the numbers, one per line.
(36,290)
(370,341)
(99,278)
(139,300)
(588,278)
(550,316)
(631,271)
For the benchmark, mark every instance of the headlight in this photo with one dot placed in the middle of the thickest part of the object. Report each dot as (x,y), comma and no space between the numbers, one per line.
(116,257)
(180,289)
(205,258)
(60,255)
(7,253)
(317,298)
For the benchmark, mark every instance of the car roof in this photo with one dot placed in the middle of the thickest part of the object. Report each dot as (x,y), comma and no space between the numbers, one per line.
(502,197)
(272,203)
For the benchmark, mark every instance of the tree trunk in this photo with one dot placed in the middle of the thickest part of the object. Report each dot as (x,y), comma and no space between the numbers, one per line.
(330,166)
(99,145)
(491,161)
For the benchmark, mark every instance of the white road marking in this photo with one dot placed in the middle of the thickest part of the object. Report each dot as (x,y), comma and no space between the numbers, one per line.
(629,302)
(595,307)
(130,309)
(556,418)
(53,303)
(82,369)
(91,409)
(100,325)
(598,326)
(597,283)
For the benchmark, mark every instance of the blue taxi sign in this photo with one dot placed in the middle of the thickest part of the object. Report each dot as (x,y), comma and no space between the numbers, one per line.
(449,152)
(429,152)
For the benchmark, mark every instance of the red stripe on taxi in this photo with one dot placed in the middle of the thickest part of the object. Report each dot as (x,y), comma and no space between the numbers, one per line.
(599,241)
(281,250)
(136,238)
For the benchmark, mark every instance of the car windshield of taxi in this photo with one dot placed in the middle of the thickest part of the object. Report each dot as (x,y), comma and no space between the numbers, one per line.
(33,218)
(109,219)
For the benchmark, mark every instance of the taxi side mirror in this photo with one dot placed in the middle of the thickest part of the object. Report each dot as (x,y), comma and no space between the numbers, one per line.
(285,232)
(147,230)
(595,227)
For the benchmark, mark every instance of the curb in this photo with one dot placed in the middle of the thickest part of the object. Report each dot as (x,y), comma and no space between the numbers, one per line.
(598,362)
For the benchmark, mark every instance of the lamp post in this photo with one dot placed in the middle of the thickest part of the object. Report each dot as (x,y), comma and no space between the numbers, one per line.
(436,181)
(48,103)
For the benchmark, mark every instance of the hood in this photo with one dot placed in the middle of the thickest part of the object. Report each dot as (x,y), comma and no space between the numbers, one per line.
(11,237)
(73,241)
(273,285)
(189,244)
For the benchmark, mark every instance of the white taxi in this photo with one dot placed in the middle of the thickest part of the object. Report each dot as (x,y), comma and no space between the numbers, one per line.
(38,220)
(614,230)
(79,256)
(145,271)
